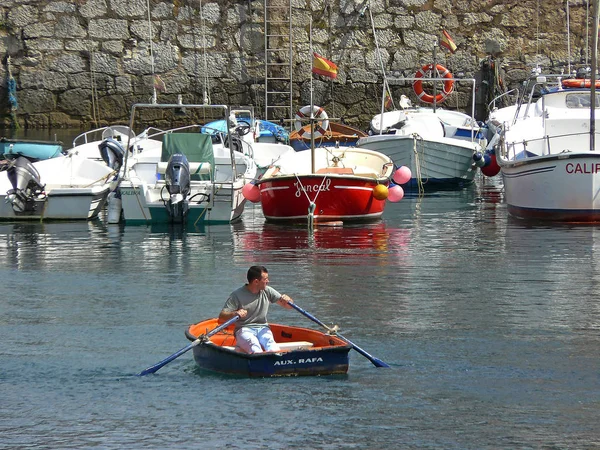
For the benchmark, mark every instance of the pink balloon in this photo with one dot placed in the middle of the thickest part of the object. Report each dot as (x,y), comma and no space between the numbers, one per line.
(251,192)
(395,193)
(402,175)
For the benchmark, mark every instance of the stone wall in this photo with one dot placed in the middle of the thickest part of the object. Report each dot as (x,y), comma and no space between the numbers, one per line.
(85,62)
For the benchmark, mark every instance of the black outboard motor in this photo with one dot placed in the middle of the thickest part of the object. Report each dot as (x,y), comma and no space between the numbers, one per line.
(112,153)
(177,178)
(25,180)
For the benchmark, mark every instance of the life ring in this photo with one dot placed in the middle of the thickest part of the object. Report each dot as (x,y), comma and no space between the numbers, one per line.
(442,72)
(321,126)
(579,83)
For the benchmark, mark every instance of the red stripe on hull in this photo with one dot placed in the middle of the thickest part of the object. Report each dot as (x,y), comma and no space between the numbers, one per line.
(336,198)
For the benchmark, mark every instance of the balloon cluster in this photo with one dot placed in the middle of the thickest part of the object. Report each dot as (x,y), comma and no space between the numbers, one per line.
(394,193)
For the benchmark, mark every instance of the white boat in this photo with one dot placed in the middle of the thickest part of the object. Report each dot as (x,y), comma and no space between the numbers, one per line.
(263,141)
(436,145)
(68,187)
(547,156)
(182,174)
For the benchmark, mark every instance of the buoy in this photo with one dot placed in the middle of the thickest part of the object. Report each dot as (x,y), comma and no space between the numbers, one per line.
(380,192)
(491,167)
(251,192)
(114,208)
(402,175)
(395,193)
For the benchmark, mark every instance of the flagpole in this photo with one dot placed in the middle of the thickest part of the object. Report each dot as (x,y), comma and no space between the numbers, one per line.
(434,71)
(312,107)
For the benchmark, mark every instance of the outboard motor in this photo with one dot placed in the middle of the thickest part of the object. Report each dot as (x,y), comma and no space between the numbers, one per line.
(112,153)
(25,180)
(177,178)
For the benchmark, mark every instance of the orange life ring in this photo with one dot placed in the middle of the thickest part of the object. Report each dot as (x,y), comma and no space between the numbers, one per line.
(579,83)
(321,126)
(442,72)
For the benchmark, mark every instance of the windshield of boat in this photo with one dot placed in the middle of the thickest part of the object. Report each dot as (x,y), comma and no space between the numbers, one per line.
(581,100)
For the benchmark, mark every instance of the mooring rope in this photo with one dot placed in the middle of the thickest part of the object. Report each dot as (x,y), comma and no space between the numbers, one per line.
(419,161)
(11,85)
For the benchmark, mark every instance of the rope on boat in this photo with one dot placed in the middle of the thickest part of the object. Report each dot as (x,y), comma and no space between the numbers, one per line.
(95,104)
(419,161)
(11,86)
(312,204)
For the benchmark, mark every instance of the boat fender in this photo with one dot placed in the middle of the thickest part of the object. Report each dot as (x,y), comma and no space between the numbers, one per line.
(114,207)
(442,72)
(318,113)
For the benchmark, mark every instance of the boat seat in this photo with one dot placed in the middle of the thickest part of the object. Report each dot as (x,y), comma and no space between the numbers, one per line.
(285,346)
(338,170)
(365,172)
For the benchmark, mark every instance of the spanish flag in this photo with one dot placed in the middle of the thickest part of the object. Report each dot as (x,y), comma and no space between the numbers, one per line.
(324,67)
(388,99)
(446,41)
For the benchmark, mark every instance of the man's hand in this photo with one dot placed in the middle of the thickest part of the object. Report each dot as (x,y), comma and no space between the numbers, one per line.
(285,300)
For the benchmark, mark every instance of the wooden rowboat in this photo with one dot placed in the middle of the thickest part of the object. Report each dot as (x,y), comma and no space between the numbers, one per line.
(336,134)
(303,352)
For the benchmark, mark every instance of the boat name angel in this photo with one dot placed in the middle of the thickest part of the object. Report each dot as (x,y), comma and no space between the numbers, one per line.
(325,186)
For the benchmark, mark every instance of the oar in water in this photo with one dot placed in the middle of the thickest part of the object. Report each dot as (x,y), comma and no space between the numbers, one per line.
(176,355)
(376,362)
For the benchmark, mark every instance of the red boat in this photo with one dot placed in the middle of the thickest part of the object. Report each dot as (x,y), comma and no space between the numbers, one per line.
(303,352)
(326,184)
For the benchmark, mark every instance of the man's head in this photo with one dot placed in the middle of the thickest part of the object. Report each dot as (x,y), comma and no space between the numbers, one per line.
(258,276)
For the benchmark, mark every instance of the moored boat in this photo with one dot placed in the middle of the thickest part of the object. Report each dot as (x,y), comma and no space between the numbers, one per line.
(303,352)
(32,149)
(61,188)
(326,184)
(182,175)
(547,156)
(436,144)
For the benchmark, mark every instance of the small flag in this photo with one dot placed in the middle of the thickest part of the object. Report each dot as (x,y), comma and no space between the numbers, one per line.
(324,67)
(446,41)
(159,84)
(388,99)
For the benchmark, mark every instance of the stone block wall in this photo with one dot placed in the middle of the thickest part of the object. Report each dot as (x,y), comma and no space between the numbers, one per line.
(82,63)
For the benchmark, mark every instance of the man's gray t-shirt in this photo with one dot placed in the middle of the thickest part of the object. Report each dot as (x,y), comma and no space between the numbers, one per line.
(257,305)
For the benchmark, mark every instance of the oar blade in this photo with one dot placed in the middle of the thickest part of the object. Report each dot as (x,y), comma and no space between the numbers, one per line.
(376,362)
(164,362)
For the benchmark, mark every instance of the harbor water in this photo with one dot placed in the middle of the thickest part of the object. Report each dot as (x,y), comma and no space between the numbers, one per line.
(491,327)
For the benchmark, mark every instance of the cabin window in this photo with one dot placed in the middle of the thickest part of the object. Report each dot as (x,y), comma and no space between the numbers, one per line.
(580,100)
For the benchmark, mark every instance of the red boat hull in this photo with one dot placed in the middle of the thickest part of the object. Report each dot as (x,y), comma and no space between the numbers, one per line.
(336,197)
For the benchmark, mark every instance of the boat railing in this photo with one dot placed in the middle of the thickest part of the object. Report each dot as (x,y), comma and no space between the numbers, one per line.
(541,146)
(492,105)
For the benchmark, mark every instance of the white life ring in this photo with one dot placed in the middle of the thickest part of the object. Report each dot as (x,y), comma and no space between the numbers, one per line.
(321,126)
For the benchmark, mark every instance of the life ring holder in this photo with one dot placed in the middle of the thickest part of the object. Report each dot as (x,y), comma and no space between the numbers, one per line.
(579,83)
(321,126)
(442,72)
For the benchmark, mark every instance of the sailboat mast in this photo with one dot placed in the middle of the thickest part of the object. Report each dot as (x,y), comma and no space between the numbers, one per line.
(312,106)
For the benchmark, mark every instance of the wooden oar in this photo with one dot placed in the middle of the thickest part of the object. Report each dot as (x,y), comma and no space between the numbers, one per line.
(176,355)
(376,362)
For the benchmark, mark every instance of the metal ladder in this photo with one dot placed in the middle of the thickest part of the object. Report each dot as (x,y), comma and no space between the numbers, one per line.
(278,60)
